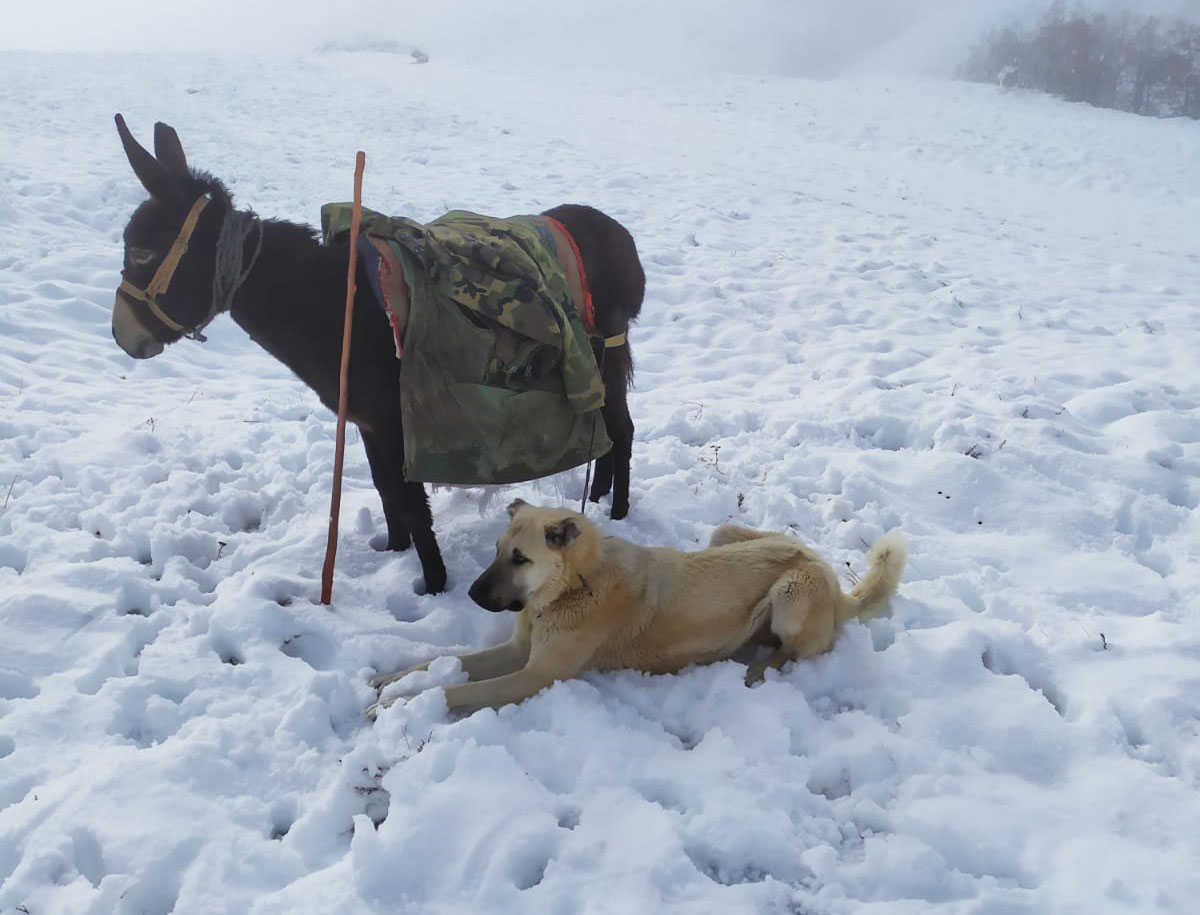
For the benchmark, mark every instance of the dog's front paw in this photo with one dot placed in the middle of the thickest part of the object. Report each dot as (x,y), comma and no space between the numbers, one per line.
(379,681)
(372,711)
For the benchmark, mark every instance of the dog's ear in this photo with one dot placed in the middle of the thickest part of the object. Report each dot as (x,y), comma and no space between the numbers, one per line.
(560,534)
(515,506)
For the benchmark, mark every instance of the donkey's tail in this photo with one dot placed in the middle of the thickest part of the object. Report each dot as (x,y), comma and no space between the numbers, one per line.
(885,565)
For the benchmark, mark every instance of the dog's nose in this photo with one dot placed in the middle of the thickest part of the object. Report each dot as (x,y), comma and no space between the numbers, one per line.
(478,591)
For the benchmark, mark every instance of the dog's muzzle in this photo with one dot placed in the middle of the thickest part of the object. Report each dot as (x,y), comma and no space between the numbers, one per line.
(481,592)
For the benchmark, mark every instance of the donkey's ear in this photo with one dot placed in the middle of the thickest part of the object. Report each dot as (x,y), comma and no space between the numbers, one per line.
(169,151)
(153,174)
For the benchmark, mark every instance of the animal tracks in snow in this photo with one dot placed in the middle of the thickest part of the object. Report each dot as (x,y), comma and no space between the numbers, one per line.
(11,557)
(948,321)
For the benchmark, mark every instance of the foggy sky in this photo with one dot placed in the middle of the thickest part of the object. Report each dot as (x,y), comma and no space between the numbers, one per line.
(790,37)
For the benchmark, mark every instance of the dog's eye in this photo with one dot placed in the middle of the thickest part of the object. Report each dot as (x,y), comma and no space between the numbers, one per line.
(519,558)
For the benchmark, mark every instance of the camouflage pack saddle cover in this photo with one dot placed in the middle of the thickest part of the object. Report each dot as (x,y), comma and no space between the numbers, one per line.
(499,381)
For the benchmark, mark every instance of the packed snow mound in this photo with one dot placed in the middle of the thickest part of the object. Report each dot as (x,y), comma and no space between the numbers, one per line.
(967,316)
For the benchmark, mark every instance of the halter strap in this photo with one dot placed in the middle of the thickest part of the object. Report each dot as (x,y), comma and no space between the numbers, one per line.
(166,270)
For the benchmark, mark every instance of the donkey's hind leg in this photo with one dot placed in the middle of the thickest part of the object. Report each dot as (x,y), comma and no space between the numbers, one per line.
(612,470)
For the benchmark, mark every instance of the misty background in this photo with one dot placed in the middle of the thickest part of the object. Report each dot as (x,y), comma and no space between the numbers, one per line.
(816,38)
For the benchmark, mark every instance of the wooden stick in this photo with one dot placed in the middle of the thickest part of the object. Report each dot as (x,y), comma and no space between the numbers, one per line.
(339,453)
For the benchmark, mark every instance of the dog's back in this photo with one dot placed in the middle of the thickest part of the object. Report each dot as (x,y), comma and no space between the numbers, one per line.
(666,608)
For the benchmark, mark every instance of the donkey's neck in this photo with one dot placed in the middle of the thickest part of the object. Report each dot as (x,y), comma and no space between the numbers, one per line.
(293,306)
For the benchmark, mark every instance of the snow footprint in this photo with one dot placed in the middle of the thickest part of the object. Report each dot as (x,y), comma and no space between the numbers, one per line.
(226,650)
(283,815)
(16,685)
(838,775)
(13,558)
(124,659)
(244,513)
(1027,662)
(317,651)
(157,893)
(527,859)
(708,861)
(146,718)
(662,792)
(404,608)
(88,856)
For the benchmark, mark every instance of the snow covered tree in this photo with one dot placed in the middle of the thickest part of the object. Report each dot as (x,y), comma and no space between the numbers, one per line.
(1143,66)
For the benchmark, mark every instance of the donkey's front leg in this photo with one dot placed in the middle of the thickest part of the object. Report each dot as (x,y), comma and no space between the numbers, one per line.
(415,513)
(405,505)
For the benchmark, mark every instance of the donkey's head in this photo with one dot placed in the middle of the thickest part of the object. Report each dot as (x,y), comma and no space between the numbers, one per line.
(170,282)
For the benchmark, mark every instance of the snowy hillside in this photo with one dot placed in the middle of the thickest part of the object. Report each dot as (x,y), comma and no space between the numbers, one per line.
(970,316)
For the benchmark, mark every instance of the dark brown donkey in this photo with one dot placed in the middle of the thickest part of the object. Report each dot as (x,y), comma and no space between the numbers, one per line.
(189,255)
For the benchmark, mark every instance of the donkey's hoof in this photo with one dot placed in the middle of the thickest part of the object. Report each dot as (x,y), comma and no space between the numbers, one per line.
(434,583)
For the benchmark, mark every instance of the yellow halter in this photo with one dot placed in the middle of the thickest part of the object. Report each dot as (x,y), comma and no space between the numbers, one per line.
(166,270)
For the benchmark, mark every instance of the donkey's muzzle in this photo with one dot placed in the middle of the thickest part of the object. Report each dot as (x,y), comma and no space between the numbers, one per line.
(131,334)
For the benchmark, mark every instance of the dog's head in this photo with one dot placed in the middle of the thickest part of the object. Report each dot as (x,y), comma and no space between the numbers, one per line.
(538,557)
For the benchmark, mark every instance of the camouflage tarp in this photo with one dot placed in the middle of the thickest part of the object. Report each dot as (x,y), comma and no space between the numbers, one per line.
(498,381)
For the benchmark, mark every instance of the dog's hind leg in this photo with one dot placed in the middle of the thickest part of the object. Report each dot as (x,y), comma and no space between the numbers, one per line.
(754,673)
(801,615)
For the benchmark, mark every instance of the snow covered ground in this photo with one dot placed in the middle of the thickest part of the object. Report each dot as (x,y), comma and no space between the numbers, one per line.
(872,305)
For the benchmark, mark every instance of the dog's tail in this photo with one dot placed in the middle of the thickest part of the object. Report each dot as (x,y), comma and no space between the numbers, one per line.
(885,565)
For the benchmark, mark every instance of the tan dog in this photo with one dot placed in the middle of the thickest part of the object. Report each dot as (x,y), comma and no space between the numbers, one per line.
(588,601)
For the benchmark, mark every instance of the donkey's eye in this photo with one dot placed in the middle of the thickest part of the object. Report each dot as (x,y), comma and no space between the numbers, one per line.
(139,257)
(519,558)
